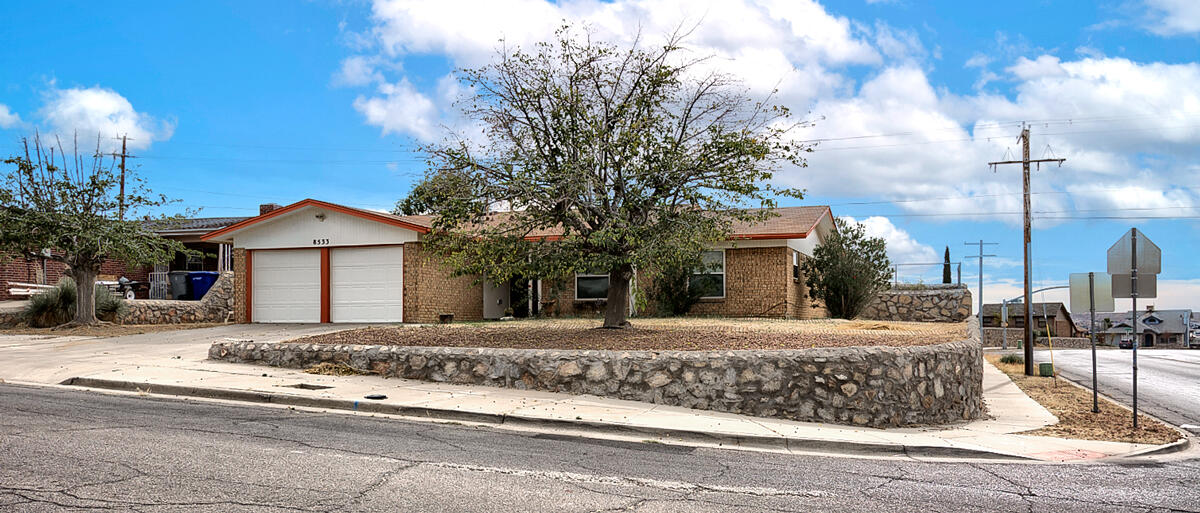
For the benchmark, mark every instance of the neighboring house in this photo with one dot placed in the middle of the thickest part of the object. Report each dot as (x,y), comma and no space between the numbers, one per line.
(1156,327)
(213,257)
(1054,315)
(314,261)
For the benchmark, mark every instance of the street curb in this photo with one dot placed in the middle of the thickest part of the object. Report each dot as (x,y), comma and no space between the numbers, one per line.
(755,441)
(1182,444)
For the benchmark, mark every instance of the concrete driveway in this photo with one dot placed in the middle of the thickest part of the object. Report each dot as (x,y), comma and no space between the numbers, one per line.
(51,359)
(1168,379)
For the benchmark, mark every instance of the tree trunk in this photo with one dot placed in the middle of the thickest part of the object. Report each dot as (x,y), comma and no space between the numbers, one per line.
(616,311)
(85,302)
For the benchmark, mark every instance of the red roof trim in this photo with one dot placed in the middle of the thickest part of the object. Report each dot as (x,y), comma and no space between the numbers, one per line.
(363,214)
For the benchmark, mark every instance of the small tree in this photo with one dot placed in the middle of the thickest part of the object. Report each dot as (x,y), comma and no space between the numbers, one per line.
(629,158)
(946,267)
(847,270)
(672,291)
(67,208)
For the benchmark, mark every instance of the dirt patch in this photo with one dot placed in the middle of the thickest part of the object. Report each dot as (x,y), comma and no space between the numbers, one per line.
(105,330)
(1073,407)
(650,335)
(336,369)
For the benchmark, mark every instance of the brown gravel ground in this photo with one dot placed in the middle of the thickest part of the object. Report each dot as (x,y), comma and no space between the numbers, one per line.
(654,334)
(1073,407)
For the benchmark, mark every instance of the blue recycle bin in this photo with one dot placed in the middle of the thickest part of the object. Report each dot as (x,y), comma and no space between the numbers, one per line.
(199,282)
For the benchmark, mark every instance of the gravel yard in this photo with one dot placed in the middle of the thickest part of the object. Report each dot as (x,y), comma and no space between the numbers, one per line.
(680,334)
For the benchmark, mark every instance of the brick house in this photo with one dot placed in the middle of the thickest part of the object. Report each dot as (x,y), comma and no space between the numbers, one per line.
(315,261)
(1054,315)
(213,257)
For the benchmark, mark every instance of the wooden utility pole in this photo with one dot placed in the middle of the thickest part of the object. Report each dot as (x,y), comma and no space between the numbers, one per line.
(1025,161)
(121,198)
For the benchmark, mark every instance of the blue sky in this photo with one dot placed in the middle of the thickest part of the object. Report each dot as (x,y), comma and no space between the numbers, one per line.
(236,103)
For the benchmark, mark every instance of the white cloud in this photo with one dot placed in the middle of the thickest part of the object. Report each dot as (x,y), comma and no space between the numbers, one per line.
(358,70)
(8,119)
(902,248)
(787,45)
(97,111)
(400,108)
(1173,17)
(1111,115)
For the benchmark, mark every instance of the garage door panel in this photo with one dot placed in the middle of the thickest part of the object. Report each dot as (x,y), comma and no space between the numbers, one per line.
(367,284)
(287,286)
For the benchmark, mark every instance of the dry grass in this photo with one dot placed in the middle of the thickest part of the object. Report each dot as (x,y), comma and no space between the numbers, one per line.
(1073,407)
(105,330)
(690,334)
(336,369)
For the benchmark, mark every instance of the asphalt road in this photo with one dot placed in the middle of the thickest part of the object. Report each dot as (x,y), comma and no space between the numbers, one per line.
(67,450)
(1168,379)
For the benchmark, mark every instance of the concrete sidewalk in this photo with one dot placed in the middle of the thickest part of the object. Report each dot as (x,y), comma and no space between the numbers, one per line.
(175,363)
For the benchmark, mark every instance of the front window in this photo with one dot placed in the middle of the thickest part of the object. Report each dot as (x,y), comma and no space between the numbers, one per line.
(710,277)
(591,287)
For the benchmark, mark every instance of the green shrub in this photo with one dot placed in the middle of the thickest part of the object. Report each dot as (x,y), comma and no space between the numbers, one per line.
(1012,358)
(670,290)
(57,305)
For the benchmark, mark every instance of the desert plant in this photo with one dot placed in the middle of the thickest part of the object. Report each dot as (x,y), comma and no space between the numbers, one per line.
(1012,358)
(57,305)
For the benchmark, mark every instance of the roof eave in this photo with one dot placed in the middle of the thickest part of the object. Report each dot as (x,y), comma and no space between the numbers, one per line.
(364,214)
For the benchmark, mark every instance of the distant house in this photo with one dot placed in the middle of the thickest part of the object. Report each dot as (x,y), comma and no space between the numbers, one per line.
(210,257)
(1155,327)
(1054,315)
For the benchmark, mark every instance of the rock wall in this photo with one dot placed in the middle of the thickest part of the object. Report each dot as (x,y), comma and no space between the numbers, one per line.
(929,303)
(215,306)
(994,337)
(11,317)
(868,386)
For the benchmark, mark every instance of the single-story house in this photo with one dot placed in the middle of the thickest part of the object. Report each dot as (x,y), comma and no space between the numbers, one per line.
(211,257)
(1156,327)
(314,261)
(1059,319)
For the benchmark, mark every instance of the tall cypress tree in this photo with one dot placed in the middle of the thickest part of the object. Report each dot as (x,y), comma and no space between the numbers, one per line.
(946,267)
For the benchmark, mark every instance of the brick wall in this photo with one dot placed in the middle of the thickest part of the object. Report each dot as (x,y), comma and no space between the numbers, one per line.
(800,306)
(429,290)
(758,283)
(29,270)
(239,285)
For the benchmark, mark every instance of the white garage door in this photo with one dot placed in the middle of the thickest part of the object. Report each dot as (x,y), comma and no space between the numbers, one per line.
(367,284)
(287,286)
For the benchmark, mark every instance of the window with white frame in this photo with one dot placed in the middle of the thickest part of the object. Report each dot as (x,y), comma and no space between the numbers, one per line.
(591,287)
(796,266)
(710,277)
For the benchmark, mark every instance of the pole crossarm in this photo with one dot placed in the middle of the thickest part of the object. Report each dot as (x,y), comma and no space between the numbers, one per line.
(1038,161)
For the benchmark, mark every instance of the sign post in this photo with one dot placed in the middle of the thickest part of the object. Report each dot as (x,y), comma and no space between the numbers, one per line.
(1125,257)
(1097,289)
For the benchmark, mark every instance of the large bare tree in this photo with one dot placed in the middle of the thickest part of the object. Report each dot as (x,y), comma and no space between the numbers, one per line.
(626,157)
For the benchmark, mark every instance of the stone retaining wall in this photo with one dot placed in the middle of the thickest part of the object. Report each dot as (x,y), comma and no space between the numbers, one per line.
(870,386)
(994,337)
(11,317)
(215,306)
(931,303)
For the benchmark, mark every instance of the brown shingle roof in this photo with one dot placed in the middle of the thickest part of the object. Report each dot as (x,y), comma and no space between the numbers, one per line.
(790,223)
